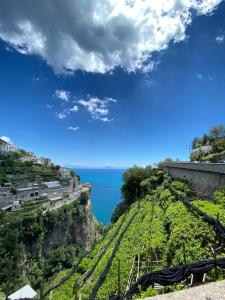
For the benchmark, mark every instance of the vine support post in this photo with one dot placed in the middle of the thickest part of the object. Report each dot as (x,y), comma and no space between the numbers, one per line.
(118,283)
(184,254)
(218,216)
(75,292)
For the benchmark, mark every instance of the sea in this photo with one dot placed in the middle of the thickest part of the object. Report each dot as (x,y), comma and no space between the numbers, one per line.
(106,190)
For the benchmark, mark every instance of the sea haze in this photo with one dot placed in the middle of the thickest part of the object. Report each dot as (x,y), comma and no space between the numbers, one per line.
(106,194)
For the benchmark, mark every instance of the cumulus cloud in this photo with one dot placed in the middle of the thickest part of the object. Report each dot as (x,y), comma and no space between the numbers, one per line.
(200,76)
(220,39)
(97,35)
(204,77)
(73,128)
(62,95)
(75,108)
(98,108)
(6,139)
(61,115)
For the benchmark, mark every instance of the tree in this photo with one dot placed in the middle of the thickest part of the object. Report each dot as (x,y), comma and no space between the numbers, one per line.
(217,131)
(194,143)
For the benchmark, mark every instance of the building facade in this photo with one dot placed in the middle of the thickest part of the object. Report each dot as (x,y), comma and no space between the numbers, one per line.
(7,147)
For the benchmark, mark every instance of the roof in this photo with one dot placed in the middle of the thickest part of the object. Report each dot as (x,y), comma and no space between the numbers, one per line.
(6,207)
(25,189)
(24,292)
(3,141)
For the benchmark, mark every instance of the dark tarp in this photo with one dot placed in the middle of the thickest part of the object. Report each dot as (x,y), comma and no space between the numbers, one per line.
(174,274)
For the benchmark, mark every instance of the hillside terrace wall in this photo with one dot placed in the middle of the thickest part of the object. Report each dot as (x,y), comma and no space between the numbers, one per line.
(204,178)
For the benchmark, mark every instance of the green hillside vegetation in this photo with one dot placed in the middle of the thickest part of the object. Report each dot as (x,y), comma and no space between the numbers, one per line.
(26,254)
(15,171)
(163,229)
(214,138)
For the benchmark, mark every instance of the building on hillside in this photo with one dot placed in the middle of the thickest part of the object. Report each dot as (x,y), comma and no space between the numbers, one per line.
(203,149)
(7,147)
(52,184)
(28,158)
(25,292)
(64,173)
(27,193)
(44,161)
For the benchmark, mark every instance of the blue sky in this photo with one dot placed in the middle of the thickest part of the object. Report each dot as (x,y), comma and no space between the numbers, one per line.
(108,115)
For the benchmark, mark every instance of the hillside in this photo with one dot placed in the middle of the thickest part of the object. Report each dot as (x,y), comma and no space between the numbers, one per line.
(46,221)
(156,231)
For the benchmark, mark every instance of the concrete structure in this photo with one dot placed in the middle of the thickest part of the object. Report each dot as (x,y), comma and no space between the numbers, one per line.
(7,147)
(28,158)
(203,149)
(205,178)
(64,173)
(45,161)
(27,192)
(52,184)
(25,292)
(208,291)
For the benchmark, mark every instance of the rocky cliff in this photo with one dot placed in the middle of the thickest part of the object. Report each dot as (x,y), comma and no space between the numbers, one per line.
(35,245)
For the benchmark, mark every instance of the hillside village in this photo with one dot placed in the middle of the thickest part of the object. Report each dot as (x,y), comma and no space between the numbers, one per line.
(28,181)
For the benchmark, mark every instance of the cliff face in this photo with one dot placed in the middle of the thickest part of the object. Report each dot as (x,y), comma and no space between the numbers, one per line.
(71,224)
(43,242)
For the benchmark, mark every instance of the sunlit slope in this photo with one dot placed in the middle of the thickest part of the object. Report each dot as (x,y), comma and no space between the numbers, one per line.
(163,228)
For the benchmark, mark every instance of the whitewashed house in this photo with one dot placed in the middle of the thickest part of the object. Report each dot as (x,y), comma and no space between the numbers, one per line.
(6,147)
(64,173)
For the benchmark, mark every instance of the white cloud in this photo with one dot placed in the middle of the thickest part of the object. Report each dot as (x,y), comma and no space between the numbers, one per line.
(220,39)
(97,35)
(49,106)
(73,128)
(61,115)
(75,108)
(199,76)
(6,139)
(203,77)
(62,95)
(98,108)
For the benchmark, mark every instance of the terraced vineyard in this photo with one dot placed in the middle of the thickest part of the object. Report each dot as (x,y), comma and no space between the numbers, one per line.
(163,229)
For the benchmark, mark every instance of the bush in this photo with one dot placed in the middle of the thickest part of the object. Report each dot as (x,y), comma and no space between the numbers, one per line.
(219,196)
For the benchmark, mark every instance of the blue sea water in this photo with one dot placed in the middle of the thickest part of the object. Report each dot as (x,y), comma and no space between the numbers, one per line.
(106,194)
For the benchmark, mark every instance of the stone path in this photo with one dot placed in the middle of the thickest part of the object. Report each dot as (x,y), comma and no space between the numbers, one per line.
(208,291)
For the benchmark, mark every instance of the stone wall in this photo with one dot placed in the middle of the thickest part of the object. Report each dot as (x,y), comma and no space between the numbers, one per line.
(204,178)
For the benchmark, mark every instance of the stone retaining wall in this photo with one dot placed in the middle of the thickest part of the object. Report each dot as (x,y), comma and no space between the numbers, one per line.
(204,178)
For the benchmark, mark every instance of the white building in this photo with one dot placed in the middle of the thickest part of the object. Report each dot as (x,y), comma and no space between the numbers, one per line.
(7,147)
(44,161)
(28,158)
(203,149)
(64,172)
(52,184)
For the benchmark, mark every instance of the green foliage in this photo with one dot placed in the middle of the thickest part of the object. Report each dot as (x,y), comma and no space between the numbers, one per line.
(186,229)
(164,227)
(216,138)
(133,177)
(219,196)
(165,198)
(181,186)
(217,131)
(24,236)
(150,292)
(138,182)
(22,171)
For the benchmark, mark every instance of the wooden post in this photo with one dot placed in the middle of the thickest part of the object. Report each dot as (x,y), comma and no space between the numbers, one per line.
(218,216)
(118,283)
(75,293)
(184,254)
